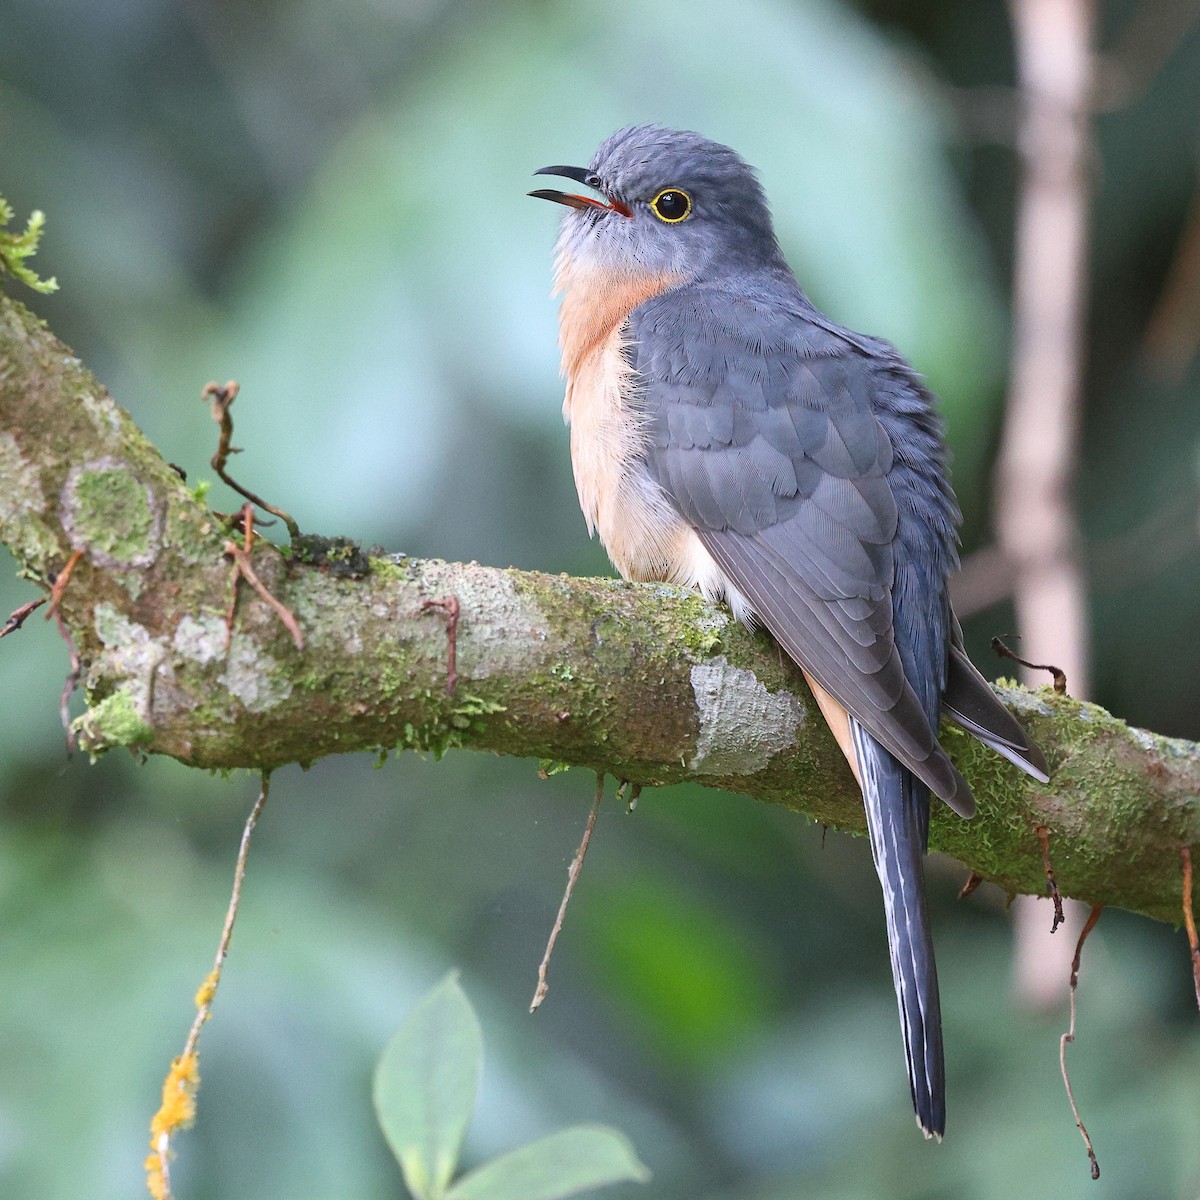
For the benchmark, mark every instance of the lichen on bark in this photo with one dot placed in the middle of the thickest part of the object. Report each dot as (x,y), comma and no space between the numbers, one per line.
(646,682)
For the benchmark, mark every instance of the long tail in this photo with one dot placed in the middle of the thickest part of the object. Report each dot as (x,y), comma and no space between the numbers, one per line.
(897,805)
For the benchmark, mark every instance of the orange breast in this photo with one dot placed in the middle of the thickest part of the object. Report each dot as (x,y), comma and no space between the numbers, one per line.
(645,537)
(595,303)
(641,532)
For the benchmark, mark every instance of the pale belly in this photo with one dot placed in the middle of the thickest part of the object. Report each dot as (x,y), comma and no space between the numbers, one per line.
(646,538)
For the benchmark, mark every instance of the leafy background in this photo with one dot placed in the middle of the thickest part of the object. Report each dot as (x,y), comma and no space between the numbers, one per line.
(327,203)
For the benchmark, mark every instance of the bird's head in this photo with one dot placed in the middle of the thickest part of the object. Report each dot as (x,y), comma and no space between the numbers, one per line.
(667,202)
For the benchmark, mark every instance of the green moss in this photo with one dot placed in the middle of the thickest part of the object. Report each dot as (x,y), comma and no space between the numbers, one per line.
(22,504)
(114,721)
(111,514)
(394,568)
(699,626)
(456,732)
(15,248)
(339,556)
(477,706)
(432,738)
(1005,835)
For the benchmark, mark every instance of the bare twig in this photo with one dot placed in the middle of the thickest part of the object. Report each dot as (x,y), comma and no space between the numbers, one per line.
(1159,541)
(246,515)
(572,875)
(632,790)
(60,582)
(1044,837)
(989,114)
(1173,331)
(974,879)
(448,606)
(1069,1036)
(19,616)
(1189,918)
(69,684)
(1140,49)
(178,1108)
(222,398)
(242,566)
(1059,676)
(1141,553)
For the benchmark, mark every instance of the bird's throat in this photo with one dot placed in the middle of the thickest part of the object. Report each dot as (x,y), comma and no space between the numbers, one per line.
(595,302)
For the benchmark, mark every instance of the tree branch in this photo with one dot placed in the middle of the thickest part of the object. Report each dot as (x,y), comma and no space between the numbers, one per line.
(644,682)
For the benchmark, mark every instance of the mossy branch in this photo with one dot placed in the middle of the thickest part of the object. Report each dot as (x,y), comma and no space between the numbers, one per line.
(647,683)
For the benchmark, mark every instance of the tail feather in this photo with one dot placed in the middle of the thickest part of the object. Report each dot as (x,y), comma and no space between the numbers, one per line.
(897,805)
(970,702)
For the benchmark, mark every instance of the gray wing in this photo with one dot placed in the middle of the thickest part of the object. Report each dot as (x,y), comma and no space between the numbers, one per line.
(762,435)
(970,702)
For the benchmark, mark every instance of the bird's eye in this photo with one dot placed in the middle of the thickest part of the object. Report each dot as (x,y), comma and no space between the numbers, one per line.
(672,205)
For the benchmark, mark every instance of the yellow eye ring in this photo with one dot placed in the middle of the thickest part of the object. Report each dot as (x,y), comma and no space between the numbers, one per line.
(672,205)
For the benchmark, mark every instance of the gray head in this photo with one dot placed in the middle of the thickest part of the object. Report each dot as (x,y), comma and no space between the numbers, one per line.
(670,201)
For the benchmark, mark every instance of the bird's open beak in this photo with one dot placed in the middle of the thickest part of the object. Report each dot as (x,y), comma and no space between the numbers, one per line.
(580,175)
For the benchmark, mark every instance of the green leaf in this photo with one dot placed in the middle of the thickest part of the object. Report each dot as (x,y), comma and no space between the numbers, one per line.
(425,1087)
(563,1164)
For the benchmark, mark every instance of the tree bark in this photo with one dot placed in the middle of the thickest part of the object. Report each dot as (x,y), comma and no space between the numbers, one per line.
(648,683)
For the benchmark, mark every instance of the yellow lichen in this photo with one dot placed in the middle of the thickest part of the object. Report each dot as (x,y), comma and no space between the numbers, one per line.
(178,1108)
(208,989)
(177,1111)
(156,1176)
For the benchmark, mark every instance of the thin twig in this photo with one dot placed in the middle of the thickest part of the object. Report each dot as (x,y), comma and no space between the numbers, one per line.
(973,881)
(60,582)
(448,606)
(1044,837)
(242,562)
(178,1108)
(1173,331)
(1060,678)
(1189,918)
(1069,1036)
(1116,563)
(572,875)
(69,684)
(222,398)
(632,790)
(246,515)
(1138,51)
(19,616)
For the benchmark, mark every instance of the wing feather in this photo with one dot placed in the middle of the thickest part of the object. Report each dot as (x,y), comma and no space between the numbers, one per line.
(763,435)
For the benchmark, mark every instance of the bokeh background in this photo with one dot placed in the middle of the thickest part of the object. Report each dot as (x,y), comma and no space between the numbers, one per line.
(326,201)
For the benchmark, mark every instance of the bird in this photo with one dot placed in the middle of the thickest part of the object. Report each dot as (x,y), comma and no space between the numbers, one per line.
(726,435)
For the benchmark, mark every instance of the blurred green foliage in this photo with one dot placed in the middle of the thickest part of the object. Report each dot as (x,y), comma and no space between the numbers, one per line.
(425,1088)
(326,202)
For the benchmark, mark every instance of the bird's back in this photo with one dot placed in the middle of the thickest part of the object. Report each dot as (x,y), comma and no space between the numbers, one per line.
(810,460)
